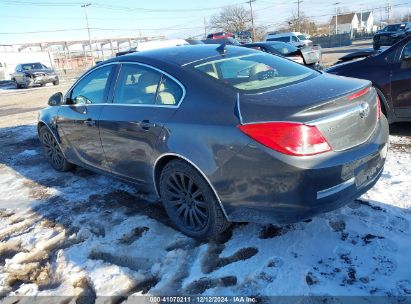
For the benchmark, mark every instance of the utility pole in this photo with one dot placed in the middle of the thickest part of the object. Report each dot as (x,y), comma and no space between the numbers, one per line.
(205,28)
(388,10)
(252,17)
(298,14)
(336,17)
(88,30)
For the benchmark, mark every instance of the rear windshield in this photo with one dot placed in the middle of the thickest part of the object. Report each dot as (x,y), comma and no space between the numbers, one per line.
(283,48)
(256,72)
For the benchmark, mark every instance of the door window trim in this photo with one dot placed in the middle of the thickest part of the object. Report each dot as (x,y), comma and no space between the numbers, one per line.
(402,50)
(176,106)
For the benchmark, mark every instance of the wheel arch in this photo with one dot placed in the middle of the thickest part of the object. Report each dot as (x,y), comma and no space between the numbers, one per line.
(42,123)
(164,159)
(385,106)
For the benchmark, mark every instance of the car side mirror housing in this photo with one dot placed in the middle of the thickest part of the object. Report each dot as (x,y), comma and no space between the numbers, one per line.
(56,99)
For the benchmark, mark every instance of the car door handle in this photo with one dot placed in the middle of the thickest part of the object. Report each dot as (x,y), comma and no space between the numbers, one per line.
(146,124)
(89,122)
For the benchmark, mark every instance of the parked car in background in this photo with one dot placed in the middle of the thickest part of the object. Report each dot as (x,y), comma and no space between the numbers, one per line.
(221,136)
(31,74)
(391,34)
(194,41)
(219,35)
(295,38)
(390,73)
(228,41)
(243,37)
(303,55)
(152,45)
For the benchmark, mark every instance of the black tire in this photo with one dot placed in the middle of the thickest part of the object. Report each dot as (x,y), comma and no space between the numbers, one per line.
(18,86)
(376,46)
(52,150)
(56,82)
(190,202)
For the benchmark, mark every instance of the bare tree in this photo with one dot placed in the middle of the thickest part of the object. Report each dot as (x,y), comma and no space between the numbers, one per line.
(306,24)
(232,19)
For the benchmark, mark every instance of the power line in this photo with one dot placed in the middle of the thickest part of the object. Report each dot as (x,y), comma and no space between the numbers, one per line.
(112,7)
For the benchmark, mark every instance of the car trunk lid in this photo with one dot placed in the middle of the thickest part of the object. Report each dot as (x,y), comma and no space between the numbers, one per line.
(328,102)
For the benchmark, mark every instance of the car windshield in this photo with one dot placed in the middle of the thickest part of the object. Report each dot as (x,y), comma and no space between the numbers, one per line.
(283,48)
(32,66)
(302,37)
(256,72)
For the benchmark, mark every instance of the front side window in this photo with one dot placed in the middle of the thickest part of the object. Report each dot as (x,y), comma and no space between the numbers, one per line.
(92,89)
(256,72)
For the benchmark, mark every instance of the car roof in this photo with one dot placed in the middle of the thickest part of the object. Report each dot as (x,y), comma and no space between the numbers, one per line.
(182,55)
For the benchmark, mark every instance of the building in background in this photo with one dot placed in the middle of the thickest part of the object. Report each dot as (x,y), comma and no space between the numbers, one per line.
(366,22)
(352,23)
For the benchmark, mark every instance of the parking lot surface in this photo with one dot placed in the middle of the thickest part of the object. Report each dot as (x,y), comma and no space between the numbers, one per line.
(81,234)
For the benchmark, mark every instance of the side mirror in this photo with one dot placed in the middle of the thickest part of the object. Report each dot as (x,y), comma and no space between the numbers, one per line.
(56,99)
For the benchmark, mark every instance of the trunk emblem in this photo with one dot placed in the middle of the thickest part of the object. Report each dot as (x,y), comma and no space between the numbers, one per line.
(364,110)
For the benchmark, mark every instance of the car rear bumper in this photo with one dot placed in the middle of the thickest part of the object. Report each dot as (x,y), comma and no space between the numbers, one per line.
(261,185)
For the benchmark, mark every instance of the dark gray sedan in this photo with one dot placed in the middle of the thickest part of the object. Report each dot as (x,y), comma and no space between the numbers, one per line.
(221,134)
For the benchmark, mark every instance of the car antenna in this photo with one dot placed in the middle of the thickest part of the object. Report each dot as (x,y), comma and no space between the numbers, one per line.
(222,48)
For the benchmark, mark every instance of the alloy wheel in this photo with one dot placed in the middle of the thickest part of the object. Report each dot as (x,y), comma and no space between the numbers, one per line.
(187,201)
(52,150)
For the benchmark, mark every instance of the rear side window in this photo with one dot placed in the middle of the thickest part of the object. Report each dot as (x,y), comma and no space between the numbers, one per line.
(92,88)
(283,39)
(142,85)
(169,92)
(256,72)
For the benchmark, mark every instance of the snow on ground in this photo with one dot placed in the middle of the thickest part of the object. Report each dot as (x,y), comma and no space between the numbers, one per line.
(83,234)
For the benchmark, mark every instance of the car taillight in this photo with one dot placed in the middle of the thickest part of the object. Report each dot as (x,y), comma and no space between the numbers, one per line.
(288,137)
(359,94)
(379,111)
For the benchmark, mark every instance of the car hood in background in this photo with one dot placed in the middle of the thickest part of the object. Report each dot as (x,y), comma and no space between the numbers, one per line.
(39,71)
(391,34)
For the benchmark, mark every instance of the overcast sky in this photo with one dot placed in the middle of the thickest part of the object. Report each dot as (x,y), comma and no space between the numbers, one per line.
(48,20)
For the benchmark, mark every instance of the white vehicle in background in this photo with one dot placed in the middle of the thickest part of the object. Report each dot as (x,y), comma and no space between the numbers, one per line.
(294,38)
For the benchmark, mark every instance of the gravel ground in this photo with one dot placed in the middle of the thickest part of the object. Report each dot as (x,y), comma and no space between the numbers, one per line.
(80,235)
